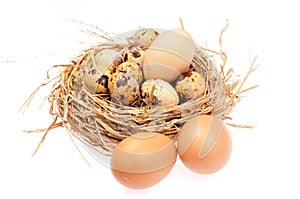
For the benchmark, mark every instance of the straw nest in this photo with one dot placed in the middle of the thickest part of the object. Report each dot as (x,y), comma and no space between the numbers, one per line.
(101,124)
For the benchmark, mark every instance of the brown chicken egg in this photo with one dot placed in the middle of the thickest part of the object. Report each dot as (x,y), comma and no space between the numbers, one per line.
(143,160)
(170,55)
(204,144)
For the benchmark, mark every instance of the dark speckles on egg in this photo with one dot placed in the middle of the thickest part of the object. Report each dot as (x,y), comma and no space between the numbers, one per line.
(93,71)
(136,54)
(145,36)
(118,60)
(125,57)
(123,88)
(188,74)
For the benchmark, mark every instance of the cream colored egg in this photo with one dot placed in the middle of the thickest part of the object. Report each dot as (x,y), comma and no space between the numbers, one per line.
(159,92)
(169,56)
(190,84)
(145,36)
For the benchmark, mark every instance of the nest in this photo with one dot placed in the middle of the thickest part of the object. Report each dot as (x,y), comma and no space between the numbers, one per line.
(101,124)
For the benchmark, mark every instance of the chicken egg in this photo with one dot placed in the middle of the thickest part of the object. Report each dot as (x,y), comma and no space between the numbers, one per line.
(143,159)
(170,55)
(204,144)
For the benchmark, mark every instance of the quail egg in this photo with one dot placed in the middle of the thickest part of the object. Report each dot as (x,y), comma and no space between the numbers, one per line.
(94,67)
(145,36)
(132,53)
(133,69)
(105,57)
(123,88)
(102,82)
(189,85)
(159,92)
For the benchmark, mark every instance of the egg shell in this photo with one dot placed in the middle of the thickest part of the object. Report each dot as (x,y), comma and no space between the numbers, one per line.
(145,36)
(105,57)
(159,92)
(190,84)
(204,144)
(133,69)
(123,88)
(102,82)
(133,53)
(143,159)
(94,66)
(169,56)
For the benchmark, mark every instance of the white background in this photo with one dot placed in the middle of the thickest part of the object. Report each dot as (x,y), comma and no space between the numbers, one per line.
(265,161)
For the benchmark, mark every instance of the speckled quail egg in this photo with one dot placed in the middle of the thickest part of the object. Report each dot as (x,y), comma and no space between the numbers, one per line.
(145,36)
(123,88)
(189,85)
(132,53)
(105,57)
(94,67)
(133,69)
(159,92)
(102,82)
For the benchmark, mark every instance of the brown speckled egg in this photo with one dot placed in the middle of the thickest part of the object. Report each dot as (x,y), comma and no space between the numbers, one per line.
(123,88)
(145,36)
(133,53)
(159,92)
(133,69)
(190,84)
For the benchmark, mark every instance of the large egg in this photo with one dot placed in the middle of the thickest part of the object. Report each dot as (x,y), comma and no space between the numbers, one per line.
(143,159)
(204,144)
(169,55)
